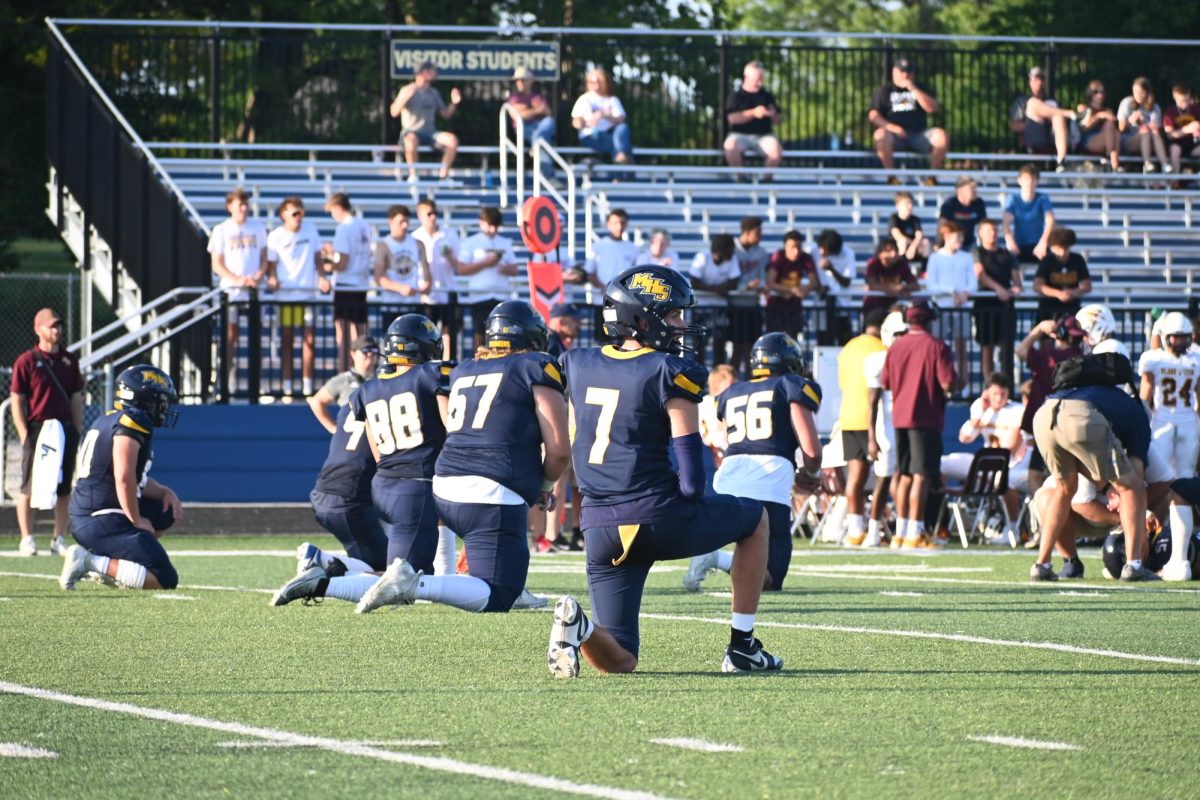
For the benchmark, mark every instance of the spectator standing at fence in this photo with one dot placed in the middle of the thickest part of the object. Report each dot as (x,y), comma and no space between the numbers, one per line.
(854,420)
(1028,218)
(441,245)
(752,258)
(1141,123)
(836,269)
(600,119)
(659,251)
(900,113)
(717,270)
(752,114)
(905,229)
(999,273)
(612,254)
(1062,277)
(364,355)
(950,278)
(965,208)
(1098,126)
(346,268)
(401,267)
(1041,124)
(537,119)
(889,277)
(294,253)
(1181,126)
(46,386)
(418,105)
(487,260)
(1056,341)
(919,372)
(791,277)
(238,247)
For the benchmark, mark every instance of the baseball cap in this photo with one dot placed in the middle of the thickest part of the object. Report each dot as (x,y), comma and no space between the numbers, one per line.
(45,317)
(564,310)
(364,343)
(1037,72)
(920,313)
(522,74)
(965,180)
(904,65)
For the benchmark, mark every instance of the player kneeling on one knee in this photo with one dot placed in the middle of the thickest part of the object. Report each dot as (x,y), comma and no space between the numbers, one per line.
(631,405)
(766,419)
(118,511)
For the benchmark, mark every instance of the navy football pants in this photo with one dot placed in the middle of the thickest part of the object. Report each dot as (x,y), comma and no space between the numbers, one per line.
(497,551)
(113,535)
(355,525)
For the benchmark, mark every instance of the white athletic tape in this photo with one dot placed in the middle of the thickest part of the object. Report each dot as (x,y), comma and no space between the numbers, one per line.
(1031,744)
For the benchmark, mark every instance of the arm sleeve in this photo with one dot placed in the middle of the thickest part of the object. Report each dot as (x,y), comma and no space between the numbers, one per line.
(691,465)
(803,391)
(544,371)
(20,375)
(1044,202)
(358,409)
(341,241)
(1082,267)
(216,240)
(880,101)
(685,379)
(582,107)
(617,108)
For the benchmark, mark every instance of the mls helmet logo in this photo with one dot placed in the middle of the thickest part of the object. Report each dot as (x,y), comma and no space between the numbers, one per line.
(647,283)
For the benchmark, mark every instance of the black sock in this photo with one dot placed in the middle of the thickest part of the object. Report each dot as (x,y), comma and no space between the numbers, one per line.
(322,585)
(737,637)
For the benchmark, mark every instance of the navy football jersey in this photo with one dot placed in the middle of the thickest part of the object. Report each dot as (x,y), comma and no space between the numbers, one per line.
(96,485)
(492,430)
(758,414)
(401,412)
(621,438)
(349,467)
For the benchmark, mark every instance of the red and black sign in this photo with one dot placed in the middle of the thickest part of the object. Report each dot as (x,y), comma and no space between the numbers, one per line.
(542,227)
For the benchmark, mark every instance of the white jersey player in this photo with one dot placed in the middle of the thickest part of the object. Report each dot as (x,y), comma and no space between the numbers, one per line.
(1100,327)
(883,432)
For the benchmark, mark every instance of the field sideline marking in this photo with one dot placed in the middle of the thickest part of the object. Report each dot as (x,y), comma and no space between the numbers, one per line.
(14,750)
(1042,585)
(699,745)
(439,764)
(949,637)
(1031,744)
(254,744)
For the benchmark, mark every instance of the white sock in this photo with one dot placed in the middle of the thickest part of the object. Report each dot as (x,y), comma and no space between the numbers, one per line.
(444,560)
(1135,563)
(873,529)
(287,387)
(307,385)
(131,575)
(901,528)
(460,591)
(97,564)
(350,587)
(854,524)
(354,566)
(724,560)
(743,622)
(1181,532)
(916,526)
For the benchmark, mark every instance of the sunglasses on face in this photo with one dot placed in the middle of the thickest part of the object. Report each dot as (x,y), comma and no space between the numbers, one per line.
(296,214)
(370,351)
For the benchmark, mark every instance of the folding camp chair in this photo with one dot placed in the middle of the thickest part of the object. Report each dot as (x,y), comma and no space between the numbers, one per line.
(984,488)
(833,491)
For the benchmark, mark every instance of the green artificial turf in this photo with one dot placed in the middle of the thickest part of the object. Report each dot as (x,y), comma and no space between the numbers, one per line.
(853,714)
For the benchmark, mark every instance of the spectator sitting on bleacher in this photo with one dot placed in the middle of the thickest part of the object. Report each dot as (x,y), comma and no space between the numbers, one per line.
(717,270)
(612,254)
(487,259)
(1098,126)
(239,257)
(418,105)
(531,106)
(752,113)
(1181,126)
(890,273)
(659,251)
(1062,277)
(346,268)
(899,112)
(965,208)
(1141,123)
(293,251)
(950,279)
(1028,218)
(441,246)
(1041,124)
(836,269)
(997,271)
(600,119)
(401,268)
(905,228)
(791,277)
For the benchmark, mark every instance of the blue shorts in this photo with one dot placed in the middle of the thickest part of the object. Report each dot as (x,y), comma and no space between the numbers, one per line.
(113,535)
(691,529)
(497,552)
(409,519)
(355,525)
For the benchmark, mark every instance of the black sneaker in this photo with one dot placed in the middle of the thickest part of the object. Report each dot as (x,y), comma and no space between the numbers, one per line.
(1042,572)
(1071,568)
(749,658)
(569,544)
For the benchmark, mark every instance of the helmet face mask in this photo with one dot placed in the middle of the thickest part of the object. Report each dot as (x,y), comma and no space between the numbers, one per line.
(516,325)
(638,304)
(149,389)
(1176,332)
(412,339)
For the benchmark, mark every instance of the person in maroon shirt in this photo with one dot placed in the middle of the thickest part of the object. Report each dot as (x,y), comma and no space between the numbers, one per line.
(791,277)
(37,398)
(919,372)
(888,272)
(1065,341)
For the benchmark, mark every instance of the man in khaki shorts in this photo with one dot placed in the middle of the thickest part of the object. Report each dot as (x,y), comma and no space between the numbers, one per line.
(1105,434)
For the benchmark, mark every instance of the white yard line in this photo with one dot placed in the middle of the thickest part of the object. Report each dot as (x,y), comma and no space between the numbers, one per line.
(14,750)
(438,764)
(921,568)
(255,744)
(699,745)
(1041,585)
(1085,594)
(169,596)
(1030,744)
(903,594)
(948,637)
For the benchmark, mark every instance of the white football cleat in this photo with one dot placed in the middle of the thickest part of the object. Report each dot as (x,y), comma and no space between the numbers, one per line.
(570,629)
(700,566)
(529,600)
(1176,571)
(74,567)
(396,587)
(28,546)
(308,555)
(58,546)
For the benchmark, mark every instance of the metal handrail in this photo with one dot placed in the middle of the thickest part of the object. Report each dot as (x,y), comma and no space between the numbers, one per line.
(125,320)
(161,323)
(517,149)
(299,148)
(541,182)
(124,123)
(537,30)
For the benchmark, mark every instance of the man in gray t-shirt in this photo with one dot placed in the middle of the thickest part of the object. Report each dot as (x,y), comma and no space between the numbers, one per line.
(418,105)
(364,353)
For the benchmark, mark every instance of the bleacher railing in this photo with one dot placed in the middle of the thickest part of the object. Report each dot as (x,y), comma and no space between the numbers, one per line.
(543,183)
(514,147)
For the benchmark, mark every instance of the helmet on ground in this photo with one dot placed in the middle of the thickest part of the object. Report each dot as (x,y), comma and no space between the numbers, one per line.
(892,327)
(1097,323)
(1176,331)
(149,389)
(516,325)
(776,354)
(412,339)
(637,303)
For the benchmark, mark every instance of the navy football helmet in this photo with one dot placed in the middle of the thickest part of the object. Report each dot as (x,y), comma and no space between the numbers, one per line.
(149,389)
(776,354)
(412,339)
(516,325)
(637,302)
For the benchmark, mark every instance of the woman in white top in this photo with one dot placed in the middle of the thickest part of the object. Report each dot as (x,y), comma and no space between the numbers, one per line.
(1140,120)
(600,119)
(950,278)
